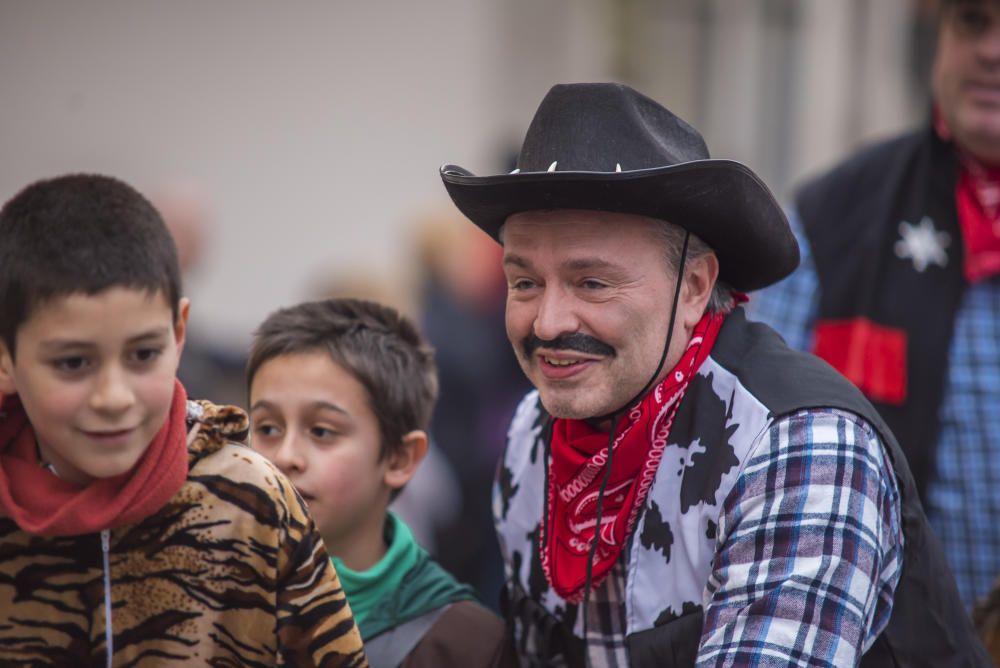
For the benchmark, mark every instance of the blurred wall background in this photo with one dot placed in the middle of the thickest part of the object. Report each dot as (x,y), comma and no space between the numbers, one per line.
(314,130)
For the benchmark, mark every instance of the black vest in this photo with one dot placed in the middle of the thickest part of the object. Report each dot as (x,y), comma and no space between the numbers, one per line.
(928,627)
(852,217)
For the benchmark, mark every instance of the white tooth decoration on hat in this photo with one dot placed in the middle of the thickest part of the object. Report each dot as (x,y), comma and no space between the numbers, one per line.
(552,167)
(618,166)
(516,170)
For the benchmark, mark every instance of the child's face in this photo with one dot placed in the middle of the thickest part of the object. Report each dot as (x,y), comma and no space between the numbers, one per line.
(95,374)
(313,420)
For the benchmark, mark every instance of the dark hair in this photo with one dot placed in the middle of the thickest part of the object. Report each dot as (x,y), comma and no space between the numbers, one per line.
(382,349)
(80,233)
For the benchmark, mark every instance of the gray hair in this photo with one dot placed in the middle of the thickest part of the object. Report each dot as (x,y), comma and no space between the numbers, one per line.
(672,238)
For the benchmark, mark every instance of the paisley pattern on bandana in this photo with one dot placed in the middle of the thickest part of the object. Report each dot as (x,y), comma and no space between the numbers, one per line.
(579,459)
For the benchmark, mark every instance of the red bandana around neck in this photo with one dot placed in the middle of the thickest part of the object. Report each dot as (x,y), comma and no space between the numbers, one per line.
(977,200)
(43,504)
(579,455)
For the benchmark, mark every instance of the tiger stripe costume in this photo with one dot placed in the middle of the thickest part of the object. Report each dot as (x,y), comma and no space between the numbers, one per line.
(231,572)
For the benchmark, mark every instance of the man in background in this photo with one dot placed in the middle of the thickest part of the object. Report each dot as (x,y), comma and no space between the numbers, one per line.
(899,288)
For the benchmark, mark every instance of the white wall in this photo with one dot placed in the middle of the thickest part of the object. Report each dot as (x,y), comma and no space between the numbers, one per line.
(314,127)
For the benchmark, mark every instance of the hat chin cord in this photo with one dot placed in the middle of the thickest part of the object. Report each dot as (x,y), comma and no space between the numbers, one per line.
(613,415)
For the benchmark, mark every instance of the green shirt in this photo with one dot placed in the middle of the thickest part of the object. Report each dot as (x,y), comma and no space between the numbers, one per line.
(405,584)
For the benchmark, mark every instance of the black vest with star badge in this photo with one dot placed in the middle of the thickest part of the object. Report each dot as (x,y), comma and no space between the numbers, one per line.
(884,232)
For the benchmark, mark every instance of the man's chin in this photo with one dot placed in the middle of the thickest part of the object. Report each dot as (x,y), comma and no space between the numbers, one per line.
(567,408)
(981,136)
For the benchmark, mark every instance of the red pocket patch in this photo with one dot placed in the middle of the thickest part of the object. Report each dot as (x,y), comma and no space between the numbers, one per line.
(871,356)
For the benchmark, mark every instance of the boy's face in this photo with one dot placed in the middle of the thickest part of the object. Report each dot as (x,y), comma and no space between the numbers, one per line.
(95,374)
(312,418)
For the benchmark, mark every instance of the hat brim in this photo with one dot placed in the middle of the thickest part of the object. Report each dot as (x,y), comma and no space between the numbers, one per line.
(720,201)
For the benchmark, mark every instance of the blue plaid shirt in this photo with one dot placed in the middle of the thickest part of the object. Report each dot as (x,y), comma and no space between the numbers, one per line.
(810,554)
(963,496)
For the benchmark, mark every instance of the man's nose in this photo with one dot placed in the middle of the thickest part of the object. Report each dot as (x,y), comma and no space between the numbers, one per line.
(556,315)
(114,393)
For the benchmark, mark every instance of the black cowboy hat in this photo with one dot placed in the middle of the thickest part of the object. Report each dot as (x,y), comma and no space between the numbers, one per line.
(607,147)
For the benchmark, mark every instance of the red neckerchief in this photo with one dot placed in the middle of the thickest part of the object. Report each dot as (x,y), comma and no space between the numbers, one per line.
(579,454)
(977,200)
(43,504)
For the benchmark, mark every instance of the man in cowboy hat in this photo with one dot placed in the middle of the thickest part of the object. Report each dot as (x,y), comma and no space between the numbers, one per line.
(681,486)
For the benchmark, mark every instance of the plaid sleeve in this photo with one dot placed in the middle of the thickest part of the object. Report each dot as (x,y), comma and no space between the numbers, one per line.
(810,548)
(790,306)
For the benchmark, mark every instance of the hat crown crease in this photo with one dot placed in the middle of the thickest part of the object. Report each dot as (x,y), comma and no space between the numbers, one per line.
(591,127)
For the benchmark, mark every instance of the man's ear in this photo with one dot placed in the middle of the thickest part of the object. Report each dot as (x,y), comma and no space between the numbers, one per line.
(180,325)
(402,463)
(699,281)
(6,370)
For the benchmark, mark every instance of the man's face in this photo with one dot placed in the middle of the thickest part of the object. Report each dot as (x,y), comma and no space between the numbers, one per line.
(966,75)
(95,374)
(588,305)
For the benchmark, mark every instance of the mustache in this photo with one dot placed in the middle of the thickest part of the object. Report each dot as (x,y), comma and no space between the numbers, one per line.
(579,342)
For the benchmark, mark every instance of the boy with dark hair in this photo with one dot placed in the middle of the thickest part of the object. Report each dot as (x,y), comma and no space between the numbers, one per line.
(341,394)
(133,529)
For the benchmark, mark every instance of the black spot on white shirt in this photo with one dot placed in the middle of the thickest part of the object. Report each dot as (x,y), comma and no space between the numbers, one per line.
(656,533)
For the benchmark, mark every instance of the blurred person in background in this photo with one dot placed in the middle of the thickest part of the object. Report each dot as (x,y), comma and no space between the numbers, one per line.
(461,295)
(899,288)
(682,487)
(207,369)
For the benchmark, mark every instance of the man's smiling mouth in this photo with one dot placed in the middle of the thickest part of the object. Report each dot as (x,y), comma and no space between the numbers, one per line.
(555,362)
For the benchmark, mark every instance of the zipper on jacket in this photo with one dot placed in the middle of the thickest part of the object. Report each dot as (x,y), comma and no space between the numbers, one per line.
(108,632)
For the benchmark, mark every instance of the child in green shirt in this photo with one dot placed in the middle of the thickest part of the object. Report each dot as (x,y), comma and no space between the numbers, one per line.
(341,394)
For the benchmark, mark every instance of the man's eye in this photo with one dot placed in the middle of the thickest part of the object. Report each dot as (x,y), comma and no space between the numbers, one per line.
(972,21)
(522,284)
(593,285)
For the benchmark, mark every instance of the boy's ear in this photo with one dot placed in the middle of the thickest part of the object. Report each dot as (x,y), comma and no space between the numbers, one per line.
(6,371)
(180,326)
(403,462)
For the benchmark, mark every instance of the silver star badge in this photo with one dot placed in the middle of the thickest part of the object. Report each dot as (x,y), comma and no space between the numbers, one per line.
(923,244)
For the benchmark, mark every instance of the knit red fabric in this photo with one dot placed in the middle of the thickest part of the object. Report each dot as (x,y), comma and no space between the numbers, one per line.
(43,504)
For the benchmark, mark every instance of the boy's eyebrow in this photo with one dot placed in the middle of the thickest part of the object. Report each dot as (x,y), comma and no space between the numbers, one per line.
(263,403)
(154,333)
(62,344)
(270,405)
